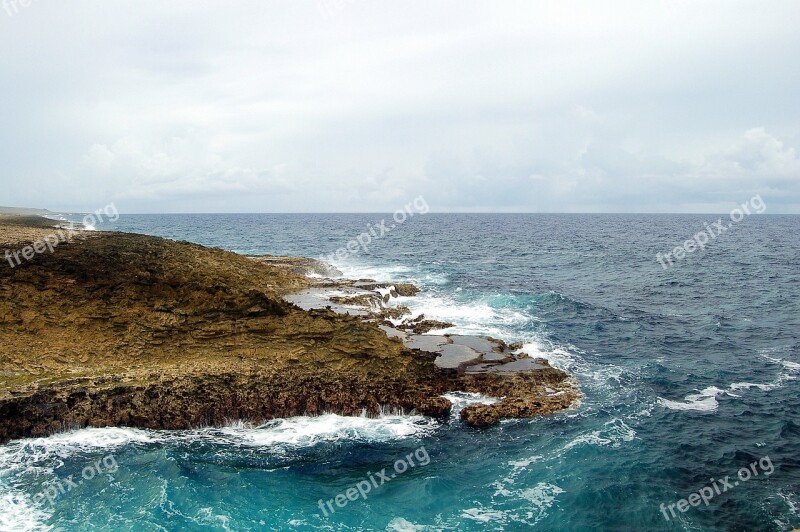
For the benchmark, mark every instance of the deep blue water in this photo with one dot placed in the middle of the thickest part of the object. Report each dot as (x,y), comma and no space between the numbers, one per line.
(689,374)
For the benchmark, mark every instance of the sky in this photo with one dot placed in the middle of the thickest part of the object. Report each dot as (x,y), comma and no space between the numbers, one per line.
(364,105)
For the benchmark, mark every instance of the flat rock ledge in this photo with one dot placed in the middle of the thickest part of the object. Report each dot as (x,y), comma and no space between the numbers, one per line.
(115,329)
(526,386)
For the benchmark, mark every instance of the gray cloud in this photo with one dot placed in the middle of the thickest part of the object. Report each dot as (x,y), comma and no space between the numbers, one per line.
(349,105)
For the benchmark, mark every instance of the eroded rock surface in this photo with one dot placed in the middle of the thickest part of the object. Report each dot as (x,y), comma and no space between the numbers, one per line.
(528,386)
(124,329)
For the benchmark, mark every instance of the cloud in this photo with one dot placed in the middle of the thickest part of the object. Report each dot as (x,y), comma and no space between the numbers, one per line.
(762,154)
(274,106)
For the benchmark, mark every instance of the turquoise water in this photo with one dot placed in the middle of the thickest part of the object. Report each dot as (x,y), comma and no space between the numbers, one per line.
(689,374)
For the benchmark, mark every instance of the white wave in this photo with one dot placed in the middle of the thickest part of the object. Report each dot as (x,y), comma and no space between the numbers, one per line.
(398,524)
(62,445)
(792,506)
(93,438)
(461,400)
(607,378)
(705,401)
(614,433)
(542,496)
(524,463)
(385,293)
(538,500)
(557,356)
(33,459)
(207,518)
(42,457)
(789,372)
(788,364)
(308,431)
(787,498)
(478,318)
(19,514)
(747,385)
(354,270)
(301,431)
(503,486)
(483,515)
(470,318)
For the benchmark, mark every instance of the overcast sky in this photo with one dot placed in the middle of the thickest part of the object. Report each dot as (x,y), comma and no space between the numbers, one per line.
(362,105)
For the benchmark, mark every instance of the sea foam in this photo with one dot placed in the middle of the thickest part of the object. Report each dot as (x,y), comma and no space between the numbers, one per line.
(704,401)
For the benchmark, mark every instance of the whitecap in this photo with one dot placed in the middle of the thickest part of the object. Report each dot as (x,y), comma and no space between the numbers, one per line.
(300,431)
(307,431)
(478,317)
(747,385)
(557,356)
(483,515)
(787,498)
(542,496)
(387,273)
(705,401)
(398,524)
(37,458)
(607,378)
(788,364)
(613,434)
(207,517)
(461,400)
(19,514)
(65,444)
(789,372)
(42,457)
(385,293)
(524,463)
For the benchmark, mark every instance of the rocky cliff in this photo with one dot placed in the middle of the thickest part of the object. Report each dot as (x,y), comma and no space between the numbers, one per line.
(125,329)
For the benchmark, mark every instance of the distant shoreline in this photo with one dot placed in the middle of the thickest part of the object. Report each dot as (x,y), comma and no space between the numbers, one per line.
(23,211)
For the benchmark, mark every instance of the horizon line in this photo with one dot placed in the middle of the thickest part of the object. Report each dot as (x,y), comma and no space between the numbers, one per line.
(437,212)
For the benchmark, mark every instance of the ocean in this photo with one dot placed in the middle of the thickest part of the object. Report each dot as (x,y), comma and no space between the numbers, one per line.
(689,375)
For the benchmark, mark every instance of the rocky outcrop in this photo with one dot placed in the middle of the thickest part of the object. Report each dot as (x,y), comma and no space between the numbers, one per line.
(420,325)
(398,289)
(298,265)
(123,329)
(176,400)
(536,393)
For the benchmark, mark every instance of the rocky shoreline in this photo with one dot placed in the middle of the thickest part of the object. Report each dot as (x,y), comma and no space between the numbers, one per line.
(131,330)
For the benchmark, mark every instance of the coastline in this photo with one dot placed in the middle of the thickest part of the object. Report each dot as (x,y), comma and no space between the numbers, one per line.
(117,329)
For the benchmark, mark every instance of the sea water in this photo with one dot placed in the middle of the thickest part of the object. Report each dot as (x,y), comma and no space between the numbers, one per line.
(689,374)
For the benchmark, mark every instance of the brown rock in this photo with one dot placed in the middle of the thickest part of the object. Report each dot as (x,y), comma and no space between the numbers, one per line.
(124,329)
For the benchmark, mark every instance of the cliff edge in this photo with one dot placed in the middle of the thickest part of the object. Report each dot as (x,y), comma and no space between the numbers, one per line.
(132,330)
